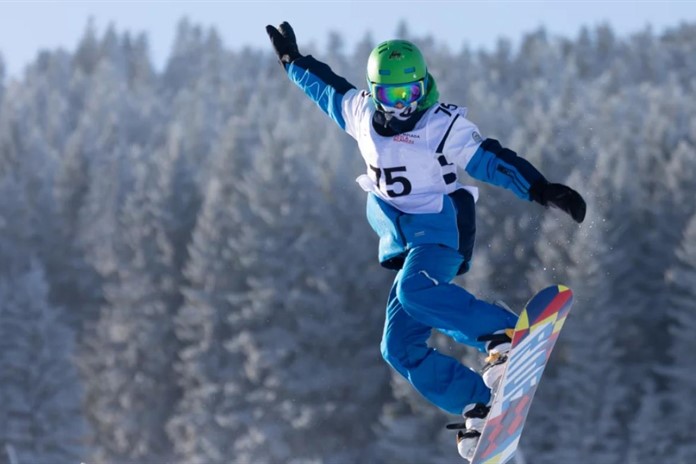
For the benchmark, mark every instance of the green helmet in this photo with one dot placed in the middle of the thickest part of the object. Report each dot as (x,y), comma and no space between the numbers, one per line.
(396,62)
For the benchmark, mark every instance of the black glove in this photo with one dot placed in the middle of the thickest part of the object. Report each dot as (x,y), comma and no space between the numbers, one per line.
(284,42)
(560,196)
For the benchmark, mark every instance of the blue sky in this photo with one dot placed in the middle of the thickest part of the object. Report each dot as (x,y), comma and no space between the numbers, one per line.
(29,26)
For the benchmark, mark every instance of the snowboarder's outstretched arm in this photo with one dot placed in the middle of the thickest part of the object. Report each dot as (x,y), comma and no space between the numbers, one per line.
(501,166)
(315,78)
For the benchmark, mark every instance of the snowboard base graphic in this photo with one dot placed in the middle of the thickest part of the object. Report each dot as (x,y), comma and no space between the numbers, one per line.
(535,335)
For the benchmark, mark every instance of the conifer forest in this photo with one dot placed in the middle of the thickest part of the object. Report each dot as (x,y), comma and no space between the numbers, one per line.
(187,275)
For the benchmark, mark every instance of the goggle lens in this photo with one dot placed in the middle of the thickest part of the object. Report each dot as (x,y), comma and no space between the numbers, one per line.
(391,94)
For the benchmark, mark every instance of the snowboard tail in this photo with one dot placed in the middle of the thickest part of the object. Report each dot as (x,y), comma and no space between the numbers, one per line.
(535,335)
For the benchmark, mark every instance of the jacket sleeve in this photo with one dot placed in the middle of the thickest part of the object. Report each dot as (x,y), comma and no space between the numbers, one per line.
(501,166)
(322,85)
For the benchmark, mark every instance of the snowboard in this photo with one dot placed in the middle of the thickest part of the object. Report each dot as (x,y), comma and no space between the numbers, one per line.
(535,335)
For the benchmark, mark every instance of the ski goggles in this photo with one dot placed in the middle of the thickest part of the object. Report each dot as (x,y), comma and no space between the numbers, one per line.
(392,94)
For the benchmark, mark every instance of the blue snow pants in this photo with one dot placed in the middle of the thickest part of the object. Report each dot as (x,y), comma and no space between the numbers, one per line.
(423,298)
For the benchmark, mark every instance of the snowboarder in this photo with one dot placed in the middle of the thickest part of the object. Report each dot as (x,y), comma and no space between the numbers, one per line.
(412,145)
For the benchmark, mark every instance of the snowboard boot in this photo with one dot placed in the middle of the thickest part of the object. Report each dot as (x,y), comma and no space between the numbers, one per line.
(498,346)
(467,439)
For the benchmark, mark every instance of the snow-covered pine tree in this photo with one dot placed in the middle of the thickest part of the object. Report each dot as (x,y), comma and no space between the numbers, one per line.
(649,441)
(646,223)
(75,284)
(131,381)
(40,398)
(213,381)
(580,395)
(681,380)
(191,53)
(40,393)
